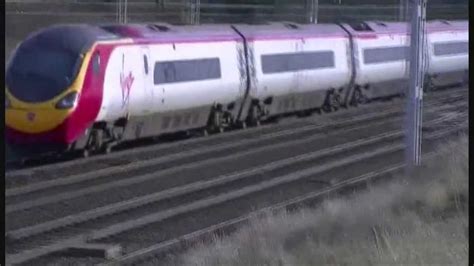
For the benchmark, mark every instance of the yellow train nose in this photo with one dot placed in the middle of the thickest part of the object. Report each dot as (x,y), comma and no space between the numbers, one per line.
(34,120)
(39,117)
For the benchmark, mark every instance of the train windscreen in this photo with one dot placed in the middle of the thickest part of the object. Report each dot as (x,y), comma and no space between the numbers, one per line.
(38,73)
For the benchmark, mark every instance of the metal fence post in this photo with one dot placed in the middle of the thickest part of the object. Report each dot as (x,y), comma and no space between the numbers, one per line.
(125,12)
(122,11)
(315,11)
(403,10)
(413,123)
(194,12)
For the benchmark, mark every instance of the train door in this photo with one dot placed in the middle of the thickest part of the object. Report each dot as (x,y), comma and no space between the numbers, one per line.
(147,79)
(298,78)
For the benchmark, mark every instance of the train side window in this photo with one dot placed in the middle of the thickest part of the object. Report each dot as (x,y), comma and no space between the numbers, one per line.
(292,62)
(96,63)
(451,48)
(187,70)
(145,63)
(386,54)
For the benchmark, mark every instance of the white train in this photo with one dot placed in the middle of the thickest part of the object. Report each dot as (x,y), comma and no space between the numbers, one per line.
(100,85)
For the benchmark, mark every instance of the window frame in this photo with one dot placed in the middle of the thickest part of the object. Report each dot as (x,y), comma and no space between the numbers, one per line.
(175,71)
(372,61)
(296,62)
(450,53)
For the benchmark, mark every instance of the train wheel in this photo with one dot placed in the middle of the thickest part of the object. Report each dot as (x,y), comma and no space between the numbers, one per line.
(359,97)
(108,149)
(335,101)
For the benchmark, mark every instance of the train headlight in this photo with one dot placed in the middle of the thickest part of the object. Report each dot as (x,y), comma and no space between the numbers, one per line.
(68,101)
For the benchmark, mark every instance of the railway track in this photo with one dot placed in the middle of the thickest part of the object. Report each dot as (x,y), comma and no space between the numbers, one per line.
(99,212)
(151,255)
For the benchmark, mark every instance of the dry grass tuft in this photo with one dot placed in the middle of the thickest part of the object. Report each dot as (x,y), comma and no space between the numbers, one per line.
(416,222)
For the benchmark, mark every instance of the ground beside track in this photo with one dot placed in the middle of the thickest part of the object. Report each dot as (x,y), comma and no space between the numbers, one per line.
(407,221)
(180,225)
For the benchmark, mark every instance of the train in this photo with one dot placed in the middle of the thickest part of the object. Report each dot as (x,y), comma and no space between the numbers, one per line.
(87,88)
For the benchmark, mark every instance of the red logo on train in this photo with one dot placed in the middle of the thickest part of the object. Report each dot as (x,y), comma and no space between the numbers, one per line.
(30,116)
(126,83)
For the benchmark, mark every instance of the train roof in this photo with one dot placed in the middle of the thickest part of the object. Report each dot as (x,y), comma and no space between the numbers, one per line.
(167,32)
(446,25)
(290,30)
(372,28)
(74,38)
(78,37)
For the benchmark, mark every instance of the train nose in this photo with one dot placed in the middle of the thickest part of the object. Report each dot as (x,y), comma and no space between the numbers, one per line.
(35,119)
(40,117)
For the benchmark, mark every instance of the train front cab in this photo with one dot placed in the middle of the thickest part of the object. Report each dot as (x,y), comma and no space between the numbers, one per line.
(44,83)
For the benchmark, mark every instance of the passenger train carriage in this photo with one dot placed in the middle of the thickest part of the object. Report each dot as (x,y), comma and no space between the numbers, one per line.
(89,87)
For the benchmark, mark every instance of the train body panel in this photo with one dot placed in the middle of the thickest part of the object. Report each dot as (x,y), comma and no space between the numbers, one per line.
(210,74)
(125,90)
(177,80)
(296,65)
(448,52)
(381,51)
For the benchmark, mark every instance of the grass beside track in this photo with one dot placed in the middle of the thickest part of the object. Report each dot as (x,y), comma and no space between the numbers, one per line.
(422,220)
